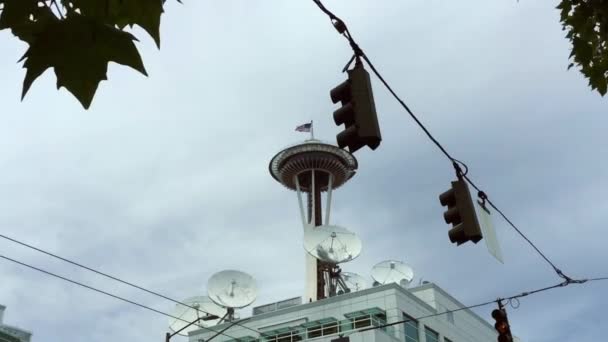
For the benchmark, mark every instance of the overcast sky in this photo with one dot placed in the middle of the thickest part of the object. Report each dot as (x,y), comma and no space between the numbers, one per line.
(164,181)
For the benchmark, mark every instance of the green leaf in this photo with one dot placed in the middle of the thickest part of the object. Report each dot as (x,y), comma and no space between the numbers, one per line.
(582,50)
(565,6)
(24,18)
(144,13)
(79,49)
(597,80)
(16,12)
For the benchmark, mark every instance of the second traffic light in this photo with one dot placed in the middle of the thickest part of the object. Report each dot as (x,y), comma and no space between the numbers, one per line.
(461,213)
(358,111)
(502,325)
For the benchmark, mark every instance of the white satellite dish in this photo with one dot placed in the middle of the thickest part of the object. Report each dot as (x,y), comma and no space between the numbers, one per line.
(392,271)
(332,244)
(353,281)
(196,307)
(232,289)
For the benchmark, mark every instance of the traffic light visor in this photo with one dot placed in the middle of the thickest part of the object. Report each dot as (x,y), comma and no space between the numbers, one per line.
(448,198)
(498,314)
(345,115)
(341,92)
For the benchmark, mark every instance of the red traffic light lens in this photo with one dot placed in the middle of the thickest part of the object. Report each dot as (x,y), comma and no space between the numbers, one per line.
(502,327)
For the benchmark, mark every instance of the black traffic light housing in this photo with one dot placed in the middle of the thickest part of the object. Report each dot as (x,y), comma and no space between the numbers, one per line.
(502,325)
(461,213)
(358,111)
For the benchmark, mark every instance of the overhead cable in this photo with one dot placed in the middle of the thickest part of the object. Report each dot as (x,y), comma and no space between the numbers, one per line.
(111,277)
(342,28)
(106,293)
(222,332)
(514,297)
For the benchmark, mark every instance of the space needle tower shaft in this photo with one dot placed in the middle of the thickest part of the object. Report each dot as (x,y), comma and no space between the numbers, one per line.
(310,168)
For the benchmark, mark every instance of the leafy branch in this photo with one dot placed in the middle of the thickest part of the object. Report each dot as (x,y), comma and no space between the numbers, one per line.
(587,24)
(79,38)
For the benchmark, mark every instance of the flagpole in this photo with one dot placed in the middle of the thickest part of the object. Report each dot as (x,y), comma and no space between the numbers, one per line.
(312,132)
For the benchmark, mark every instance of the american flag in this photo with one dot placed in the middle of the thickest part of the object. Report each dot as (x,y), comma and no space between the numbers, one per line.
(305,127)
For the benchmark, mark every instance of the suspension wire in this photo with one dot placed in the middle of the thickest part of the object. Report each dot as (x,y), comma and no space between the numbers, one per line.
(105,293)
(111,277)
(557,270)
(343,29)
(499,300)
(222,332)
(590,279)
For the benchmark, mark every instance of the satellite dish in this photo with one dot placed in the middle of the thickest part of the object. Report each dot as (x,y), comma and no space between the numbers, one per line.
(195,307)
(232,289)
(391,271)
(353,281)
(332,244)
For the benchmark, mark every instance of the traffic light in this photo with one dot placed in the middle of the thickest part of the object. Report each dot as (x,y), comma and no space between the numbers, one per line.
(461,213)
(502,325)
(358,111)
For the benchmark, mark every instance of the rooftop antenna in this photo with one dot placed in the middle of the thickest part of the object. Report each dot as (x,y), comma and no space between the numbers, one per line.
(198,311)
(231,289)
(392,271)
(332,245)
(354,281)
(310,168)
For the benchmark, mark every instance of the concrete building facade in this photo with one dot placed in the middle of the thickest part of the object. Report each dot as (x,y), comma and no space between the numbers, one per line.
(12,334)
(347,314)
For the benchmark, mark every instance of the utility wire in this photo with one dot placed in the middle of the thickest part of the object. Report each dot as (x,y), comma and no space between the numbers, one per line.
(111,277)
(343,29)
(106,293)
(222,332)
(520,295)
(484,196)
(592,279)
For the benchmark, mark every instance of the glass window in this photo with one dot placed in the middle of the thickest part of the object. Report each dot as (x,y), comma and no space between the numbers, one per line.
(315,331)
(288,337)
(411,329)
(331,328)
(322,330)
(431,335)
(362,322)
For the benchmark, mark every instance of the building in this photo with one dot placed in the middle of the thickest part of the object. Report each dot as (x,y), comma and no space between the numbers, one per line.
(12,334)
(327,319)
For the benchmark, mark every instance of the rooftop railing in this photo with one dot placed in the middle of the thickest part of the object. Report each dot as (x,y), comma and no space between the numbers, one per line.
(303,333)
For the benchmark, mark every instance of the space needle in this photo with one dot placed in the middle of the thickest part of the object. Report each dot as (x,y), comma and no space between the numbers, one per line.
(312,167)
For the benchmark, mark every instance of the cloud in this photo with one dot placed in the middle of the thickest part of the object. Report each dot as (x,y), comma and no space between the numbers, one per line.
(165,180)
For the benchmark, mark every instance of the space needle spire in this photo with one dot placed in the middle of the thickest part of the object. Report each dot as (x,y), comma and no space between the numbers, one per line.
(310,168)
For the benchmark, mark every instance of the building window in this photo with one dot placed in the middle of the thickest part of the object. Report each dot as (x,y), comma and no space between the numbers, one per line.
(446,340)
(365,318)
(288,337)
(314,331)
(431,335)
(331,328)
(322,330)
(411,329)
(362,322)
(279,335)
